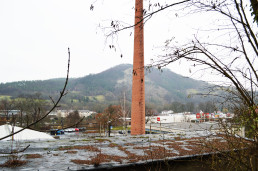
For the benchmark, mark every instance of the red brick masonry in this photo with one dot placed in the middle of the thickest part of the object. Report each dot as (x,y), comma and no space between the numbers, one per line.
(138,88)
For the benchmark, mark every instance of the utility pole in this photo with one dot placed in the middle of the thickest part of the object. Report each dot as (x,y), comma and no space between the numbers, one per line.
(124,124)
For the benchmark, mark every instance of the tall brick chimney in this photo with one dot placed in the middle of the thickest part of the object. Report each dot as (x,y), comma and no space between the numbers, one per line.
(138,88)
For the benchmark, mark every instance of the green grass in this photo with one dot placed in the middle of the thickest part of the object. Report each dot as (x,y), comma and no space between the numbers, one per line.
(102,140)
(85,140)
(2,97)
(75,101)
(120,128)
(192,91)
(19,98)
(99,98)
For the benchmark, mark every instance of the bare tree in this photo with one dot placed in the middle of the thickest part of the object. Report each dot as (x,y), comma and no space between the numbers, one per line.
(234,58)
(6,105)
(21,105)
(72,117)
(102,121)
(229,50)
(113,115)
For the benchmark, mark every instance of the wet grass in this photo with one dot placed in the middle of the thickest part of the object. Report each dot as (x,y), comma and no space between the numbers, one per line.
(87,147)
(13,163)
(102,140)
(140,137)
(167,149)
(33,156)
(71,152)
(131,151)
(98,159)
(85,140)
(113,145)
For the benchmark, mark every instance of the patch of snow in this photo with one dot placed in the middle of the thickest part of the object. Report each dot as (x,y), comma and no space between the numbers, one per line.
(185,148)
(175,151)
(113,151)
(138,152)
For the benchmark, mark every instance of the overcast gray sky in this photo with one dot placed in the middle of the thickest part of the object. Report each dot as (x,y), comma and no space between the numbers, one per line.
(35,35)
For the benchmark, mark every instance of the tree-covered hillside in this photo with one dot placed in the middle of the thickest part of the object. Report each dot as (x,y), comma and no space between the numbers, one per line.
(108,86)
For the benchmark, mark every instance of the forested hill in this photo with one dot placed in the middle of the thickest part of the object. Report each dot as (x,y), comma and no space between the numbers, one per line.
(109,85)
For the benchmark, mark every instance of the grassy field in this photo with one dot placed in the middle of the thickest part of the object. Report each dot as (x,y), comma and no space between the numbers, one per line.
(5,97)
(192,91)
(100,98)
(120,128)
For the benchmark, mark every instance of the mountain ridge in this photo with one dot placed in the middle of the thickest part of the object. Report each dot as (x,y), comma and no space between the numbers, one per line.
(161,87)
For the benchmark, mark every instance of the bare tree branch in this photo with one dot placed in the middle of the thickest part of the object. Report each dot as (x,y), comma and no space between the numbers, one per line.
(15,151)
(62,93)
(147,17)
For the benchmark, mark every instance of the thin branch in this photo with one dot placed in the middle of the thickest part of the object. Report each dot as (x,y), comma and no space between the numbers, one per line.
(148,16)
(62,93)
